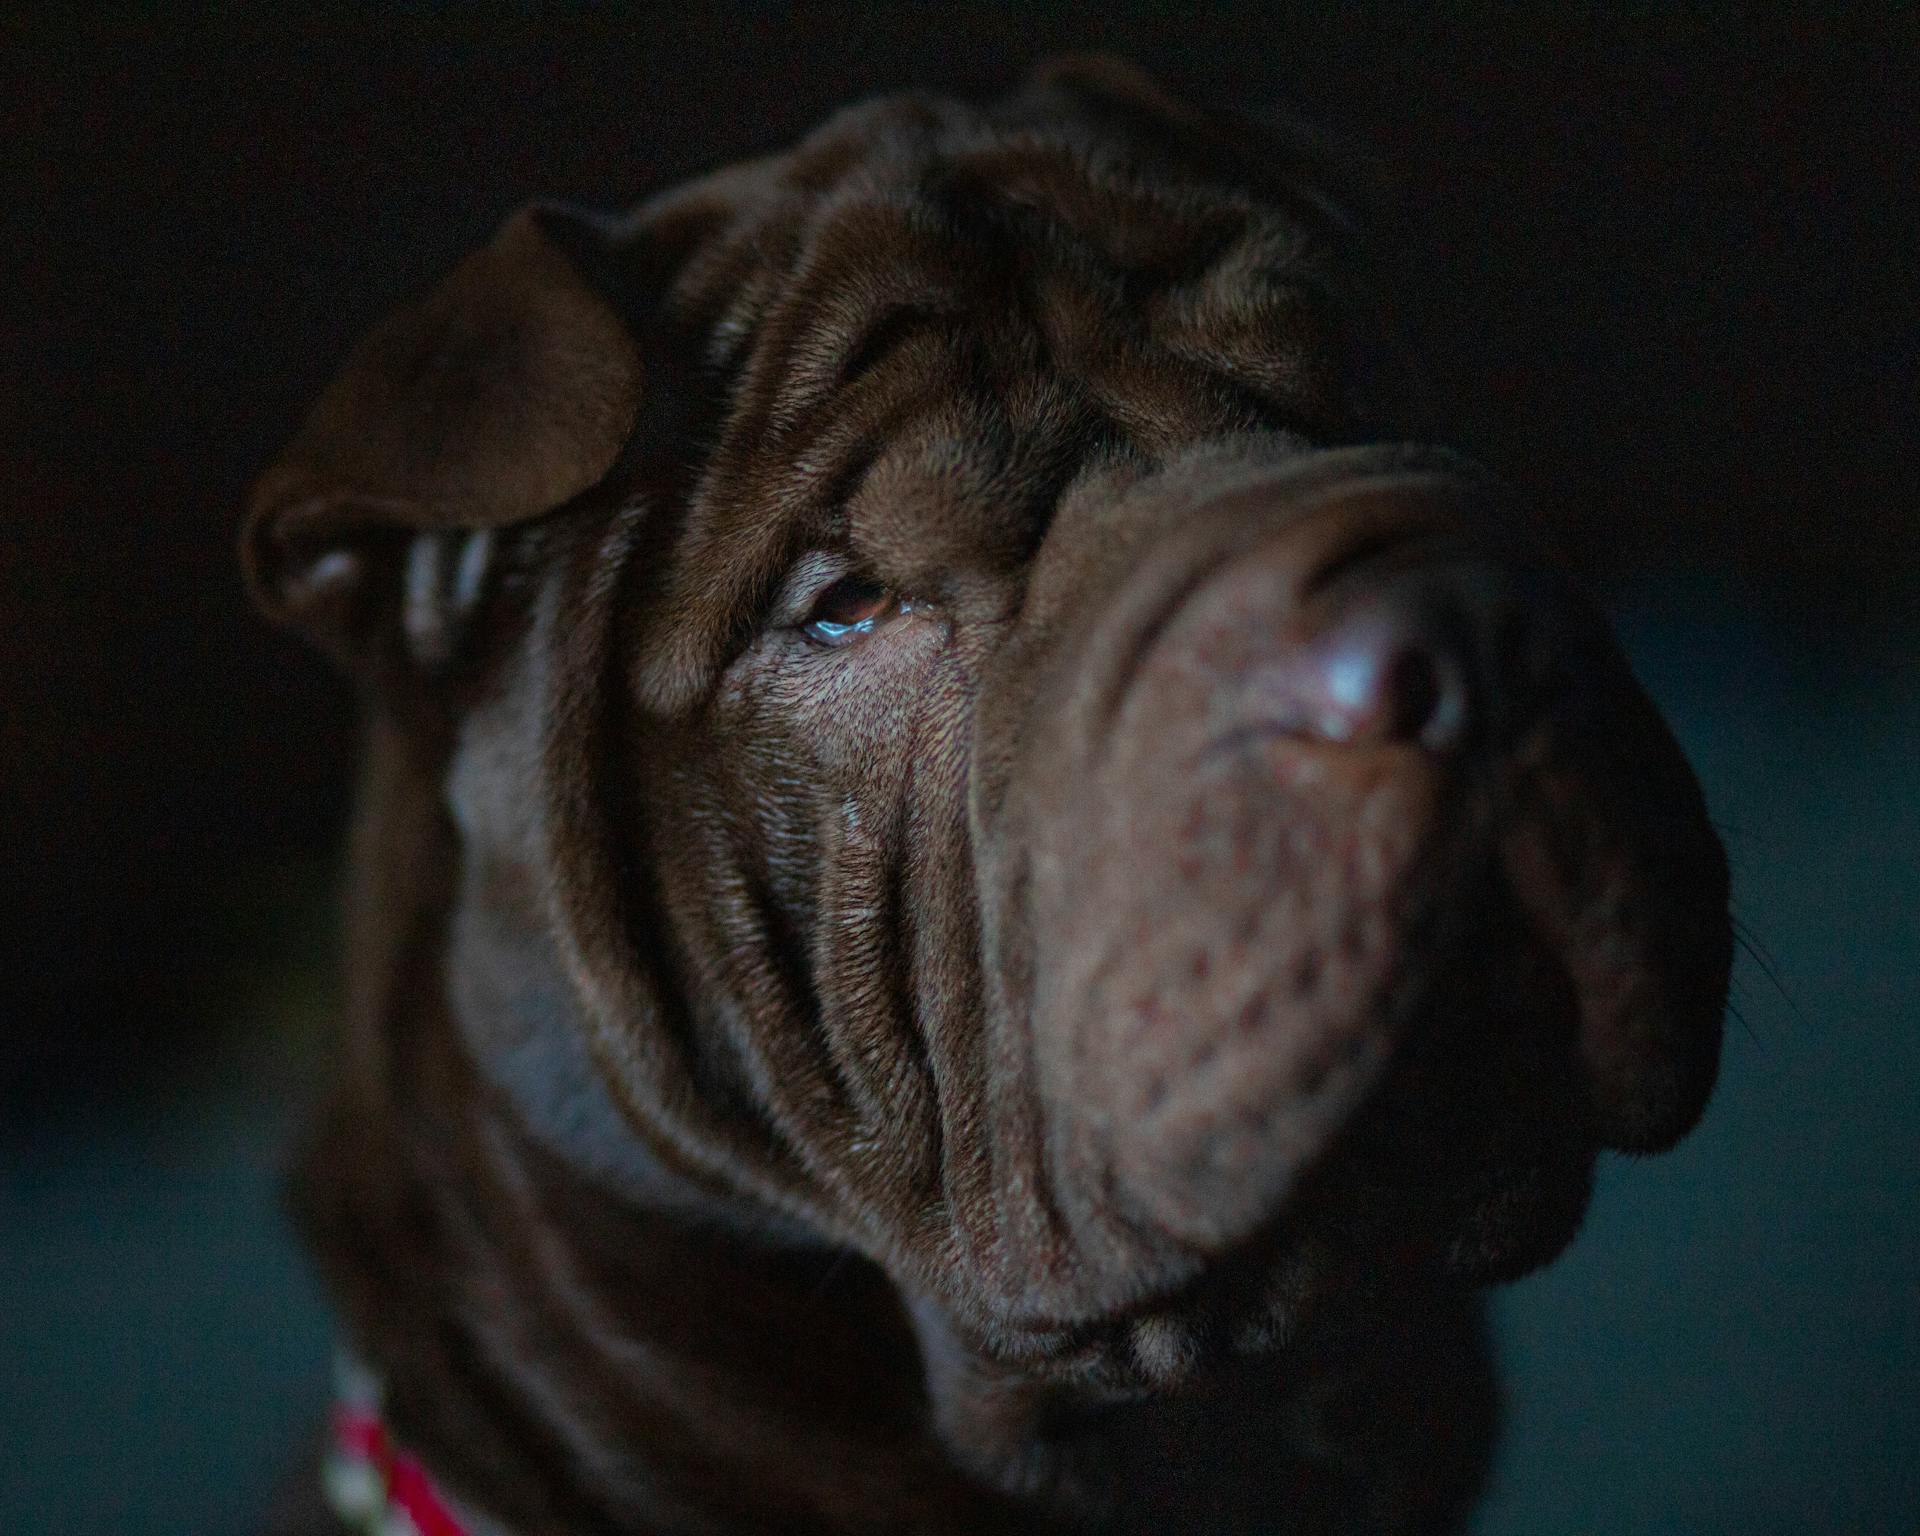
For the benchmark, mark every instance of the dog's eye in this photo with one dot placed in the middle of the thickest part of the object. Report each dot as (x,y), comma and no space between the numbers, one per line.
(852,608)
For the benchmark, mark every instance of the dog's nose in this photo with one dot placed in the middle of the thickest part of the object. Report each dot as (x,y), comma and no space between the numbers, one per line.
(1390,671)
(1432,654)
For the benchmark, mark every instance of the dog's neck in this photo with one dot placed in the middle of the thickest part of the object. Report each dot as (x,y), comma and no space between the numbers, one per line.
(568,1340)
(561,1340)
(562,1360)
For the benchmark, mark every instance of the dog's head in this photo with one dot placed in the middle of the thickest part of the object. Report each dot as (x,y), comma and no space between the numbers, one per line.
(952,744)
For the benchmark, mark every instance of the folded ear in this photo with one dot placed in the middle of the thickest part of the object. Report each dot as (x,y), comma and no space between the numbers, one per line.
(503,394)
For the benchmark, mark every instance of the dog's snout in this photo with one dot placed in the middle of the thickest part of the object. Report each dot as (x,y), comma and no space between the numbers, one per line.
(1350,725)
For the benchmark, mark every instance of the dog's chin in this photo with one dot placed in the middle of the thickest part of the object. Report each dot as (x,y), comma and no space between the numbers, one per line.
(1471,1163)
(1352,1243)
(1478,1227)
(1480,1187)
(1509,1221)
(1478,1150)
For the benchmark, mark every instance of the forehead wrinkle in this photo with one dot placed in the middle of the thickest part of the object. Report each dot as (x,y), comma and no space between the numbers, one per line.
(793,434)
(905,125)
(968,490)
(856,256)
(1088,194)
(879,271)
(740,225)
(1079,279)
(748,518)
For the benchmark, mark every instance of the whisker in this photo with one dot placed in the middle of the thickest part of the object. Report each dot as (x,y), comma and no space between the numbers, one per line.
(1749,941)
(1746,1029)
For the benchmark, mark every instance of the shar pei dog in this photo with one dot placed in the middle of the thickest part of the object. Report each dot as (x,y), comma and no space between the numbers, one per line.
(978,903)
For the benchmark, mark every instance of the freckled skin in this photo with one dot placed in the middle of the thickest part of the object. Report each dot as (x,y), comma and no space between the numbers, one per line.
(1056,1058)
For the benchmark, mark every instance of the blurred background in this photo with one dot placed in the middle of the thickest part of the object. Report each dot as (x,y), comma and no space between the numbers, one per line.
(1663,270)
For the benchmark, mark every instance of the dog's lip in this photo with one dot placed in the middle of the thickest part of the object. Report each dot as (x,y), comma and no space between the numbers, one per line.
(1487,1225)
(1487,1175)
(1512,1218)
(1510,1195)
(1488,1222)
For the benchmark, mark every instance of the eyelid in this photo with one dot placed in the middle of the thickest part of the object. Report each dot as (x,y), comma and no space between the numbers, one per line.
(859,595)
(803,586)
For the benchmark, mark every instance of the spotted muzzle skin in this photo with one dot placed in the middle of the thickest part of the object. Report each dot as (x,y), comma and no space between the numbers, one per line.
(1340,798)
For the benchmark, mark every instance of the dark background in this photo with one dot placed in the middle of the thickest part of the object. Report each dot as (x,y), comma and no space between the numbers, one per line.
(1662,269)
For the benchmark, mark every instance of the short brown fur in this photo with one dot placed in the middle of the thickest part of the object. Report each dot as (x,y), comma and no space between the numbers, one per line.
(876,1088)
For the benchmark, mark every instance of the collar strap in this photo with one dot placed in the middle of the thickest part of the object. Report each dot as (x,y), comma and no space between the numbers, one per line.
(373,1485)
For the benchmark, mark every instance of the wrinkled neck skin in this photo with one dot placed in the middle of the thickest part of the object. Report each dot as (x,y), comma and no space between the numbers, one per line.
(588,1250)
(570,1341)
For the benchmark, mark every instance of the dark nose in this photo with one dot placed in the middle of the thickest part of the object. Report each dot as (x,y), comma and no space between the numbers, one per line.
(1435,654)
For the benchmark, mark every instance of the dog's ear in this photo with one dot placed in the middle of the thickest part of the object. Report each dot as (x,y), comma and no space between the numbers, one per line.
(504,393)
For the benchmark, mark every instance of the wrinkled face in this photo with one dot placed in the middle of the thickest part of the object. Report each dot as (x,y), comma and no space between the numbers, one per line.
(1107,841)
(988,786)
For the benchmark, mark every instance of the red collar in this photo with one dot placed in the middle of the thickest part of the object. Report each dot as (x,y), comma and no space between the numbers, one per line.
(371,1483)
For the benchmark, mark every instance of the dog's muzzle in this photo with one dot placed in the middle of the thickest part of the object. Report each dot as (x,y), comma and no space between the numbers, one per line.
(1359,861)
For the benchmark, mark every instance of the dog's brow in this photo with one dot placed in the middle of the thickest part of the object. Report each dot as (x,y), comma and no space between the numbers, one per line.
(887,331)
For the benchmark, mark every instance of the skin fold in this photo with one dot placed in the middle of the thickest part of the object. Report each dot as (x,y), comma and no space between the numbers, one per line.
(976,905)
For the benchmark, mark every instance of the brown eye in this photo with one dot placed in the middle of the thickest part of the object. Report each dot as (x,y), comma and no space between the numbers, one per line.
(852,608)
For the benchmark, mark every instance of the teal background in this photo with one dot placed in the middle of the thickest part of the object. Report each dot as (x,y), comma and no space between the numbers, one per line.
(1733,1344)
